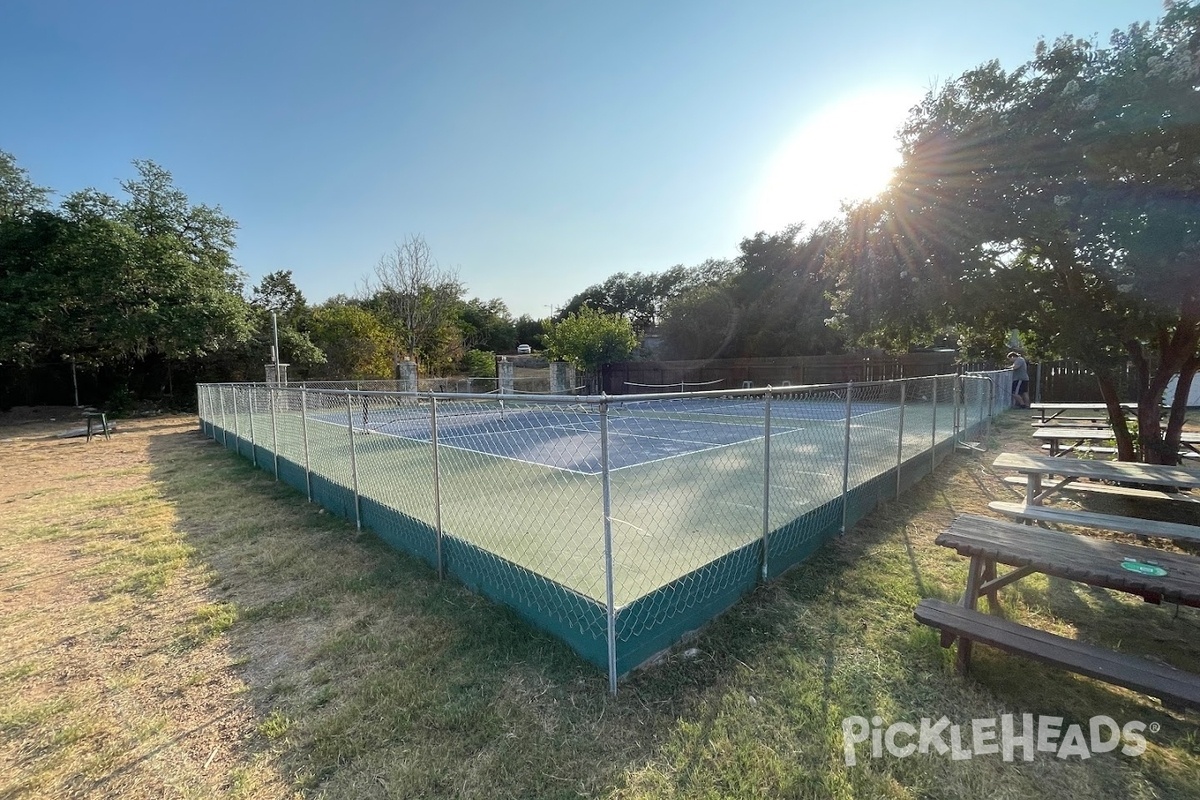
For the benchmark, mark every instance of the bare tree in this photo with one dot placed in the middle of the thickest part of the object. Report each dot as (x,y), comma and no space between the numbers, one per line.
(418,295)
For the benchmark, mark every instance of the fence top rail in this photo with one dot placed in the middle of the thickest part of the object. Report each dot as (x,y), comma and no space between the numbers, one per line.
(596,399)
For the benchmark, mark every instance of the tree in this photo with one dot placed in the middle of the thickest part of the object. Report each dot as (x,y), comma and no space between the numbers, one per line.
(700,324)
(639,297)
(278,293)
(530,331)
(19,196)
(128,286)
(487,325)
(1061,199)
(589,339)
(772,300)
(356,344)
(418,296)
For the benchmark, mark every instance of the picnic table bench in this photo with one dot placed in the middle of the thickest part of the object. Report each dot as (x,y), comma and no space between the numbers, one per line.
(1083,439)
(1177,531)
(1035,468)
(1155,575)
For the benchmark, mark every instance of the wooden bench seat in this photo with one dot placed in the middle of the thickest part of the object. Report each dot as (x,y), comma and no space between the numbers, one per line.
(1095,450)
(1174,687)
(1090,449)
(1109,522)
(1091,487)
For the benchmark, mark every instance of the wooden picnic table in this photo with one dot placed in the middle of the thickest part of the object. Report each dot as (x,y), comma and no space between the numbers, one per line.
(1048,412)
(1081,437)
(1086,559)
(1035,468)
(1154,575)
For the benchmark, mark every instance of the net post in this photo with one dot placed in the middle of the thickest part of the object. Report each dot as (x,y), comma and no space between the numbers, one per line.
(900,439)
(610,602)
(353,459)
(250,407)
(766,521)
(304,435)
(274,431)
(933,425)
(437,484)
(846,458)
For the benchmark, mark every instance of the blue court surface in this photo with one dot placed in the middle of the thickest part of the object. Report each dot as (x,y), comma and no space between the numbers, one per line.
(567,437)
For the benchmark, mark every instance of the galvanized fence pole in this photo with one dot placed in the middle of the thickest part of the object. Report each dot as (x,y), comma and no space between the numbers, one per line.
(846,459)
(956,394)
(304,435)
(610,599)
(933,435)
(250,406)
(274,431)
(437,483)
(766,522)
(237,428)
(353,459)
(224,424)
(900,439)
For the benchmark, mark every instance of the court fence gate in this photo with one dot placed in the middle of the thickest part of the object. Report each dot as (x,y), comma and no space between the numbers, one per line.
(617,523)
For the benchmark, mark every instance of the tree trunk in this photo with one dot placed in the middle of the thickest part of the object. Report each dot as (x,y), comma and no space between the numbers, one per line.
(1116,417)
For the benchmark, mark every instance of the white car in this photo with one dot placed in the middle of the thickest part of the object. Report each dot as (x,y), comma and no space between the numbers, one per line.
(524,349)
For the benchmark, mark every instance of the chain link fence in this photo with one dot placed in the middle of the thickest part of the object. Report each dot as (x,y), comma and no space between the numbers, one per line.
(618,523)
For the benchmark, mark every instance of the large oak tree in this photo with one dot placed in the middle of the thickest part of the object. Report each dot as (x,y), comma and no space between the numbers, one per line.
(1061,198)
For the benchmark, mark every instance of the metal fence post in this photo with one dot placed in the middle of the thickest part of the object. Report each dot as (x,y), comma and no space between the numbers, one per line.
(766,522)
(353,459)
(610,602)
(224,424)
(933,435)
(274,432)
(900,439)
(237,428)
(846,459)
(437,484)
(304,435)
(250,405)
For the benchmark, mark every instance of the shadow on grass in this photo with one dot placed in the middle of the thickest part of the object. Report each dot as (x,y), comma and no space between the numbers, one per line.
(379,680)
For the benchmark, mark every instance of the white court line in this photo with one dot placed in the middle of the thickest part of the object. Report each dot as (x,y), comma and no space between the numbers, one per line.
(466,449)
(708,447)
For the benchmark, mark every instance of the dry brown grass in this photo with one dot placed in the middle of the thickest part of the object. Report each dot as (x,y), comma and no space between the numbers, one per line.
(178,625)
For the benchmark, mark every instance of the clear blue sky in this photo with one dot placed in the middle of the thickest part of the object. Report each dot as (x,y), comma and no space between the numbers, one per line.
(539,147)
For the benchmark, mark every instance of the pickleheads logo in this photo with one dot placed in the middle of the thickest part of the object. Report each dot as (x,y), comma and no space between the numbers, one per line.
(1002,736)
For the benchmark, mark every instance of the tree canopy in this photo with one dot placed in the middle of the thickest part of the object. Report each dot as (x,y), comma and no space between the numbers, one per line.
(105,281)
(589,339)
(1060,198)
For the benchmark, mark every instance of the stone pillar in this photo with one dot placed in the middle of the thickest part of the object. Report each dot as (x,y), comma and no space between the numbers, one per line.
(504,371)
(406,374)
(562,378)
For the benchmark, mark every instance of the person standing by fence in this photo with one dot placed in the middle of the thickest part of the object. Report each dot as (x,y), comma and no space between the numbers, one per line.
(1020,380)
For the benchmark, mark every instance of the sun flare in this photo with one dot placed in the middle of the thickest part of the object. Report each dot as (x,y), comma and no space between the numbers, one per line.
(844,152)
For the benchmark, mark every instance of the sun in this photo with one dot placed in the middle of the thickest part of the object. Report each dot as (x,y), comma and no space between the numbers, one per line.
(844,152)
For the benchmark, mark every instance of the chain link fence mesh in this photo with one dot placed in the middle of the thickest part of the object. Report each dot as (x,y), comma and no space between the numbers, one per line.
(617,523)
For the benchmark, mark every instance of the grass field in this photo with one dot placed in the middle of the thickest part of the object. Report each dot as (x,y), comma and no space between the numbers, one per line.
(176,624)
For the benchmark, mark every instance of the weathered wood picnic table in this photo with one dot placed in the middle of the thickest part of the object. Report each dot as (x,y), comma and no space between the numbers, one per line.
(1063,441)
(1051,412)
(1035,468)
(1155,575)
